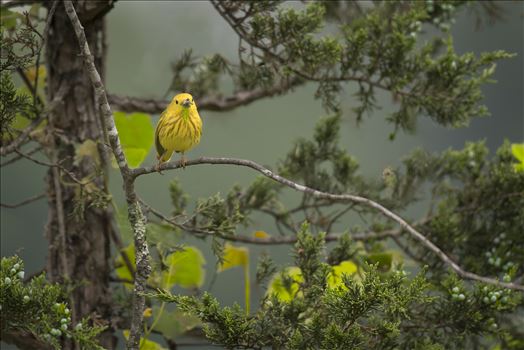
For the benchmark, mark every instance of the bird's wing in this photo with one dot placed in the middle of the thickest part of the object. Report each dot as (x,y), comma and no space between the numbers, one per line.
(159,149)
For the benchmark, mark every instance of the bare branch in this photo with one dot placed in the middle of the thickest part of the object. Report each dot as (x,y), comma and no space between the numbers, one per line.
(52,165)
(211,103)
(59,203)
(267,241)
(24,340)
(16,3)
(336,197)
(18,156)
(24,202)
(136,218)
(137,104)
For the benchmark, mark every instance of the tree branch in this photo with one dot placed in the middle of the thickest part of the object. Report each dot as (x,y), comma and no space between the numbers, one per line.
(335,197)
(211,103)
(136,218)
(24,202)
(267,241)
(24,340)
(18,156)
(52,165)
(62,231)
(236,24)
(16,3)
(57,100)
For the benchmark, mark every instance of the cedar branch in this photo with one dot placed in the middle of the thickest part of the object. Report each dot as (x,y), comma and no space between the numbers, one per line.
(336,197)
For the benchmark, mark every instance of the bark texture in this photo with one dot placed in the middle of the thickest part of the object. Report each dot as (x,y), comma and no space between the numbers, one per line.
(79,249)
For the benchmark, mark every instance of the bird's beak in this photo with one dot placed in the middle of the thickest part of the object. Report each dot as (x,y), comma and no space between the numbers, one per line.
(186,103)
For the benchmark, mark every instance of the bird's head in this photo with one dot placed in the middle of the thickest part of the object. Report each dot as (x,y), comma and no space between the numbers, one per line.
(184,99)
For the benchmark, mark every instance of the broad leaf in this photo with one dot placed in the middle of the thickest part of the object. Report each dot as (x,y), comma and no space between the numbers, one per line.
(9,18)
(234,256)
(185,268)
(335,277)
(174,323)
(261,234)
(238,256)
(385,260)
(518,152)
(283,290)
(31,75)
(145,344)
(136,136)
(122,271)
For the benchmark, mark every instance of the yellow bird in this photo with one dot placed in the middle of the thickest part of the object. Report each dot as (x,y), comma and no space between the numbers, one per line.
(178,130)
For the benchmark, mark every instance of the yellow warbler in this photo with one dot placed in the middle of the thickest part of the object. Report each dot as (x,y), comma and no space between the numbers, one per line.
(178,129)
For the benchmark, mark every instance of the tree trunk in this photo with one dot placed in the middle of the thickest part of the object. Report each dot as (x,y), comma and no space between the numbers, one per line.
(79,233)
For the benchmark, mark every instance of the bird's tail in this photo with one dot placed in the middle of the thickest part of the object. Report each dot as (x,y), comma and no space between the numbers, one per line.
(165,156)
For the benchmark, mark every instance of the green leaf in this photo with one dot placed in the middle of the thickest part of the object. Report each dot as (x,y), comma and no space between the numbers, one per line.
(286,291)
(145,344)
(9,18)
(30,73)
(136,136)
(122,271)
(35,9)
(385,260)
(335,276)
(261,234)
(518,152)
(237,256)
(234,256)
(185,268)
(174,323)
(20,122)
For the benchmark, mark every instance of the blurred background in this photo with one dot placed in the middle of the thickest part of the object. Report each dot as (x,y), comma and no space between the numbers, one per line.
(144,37)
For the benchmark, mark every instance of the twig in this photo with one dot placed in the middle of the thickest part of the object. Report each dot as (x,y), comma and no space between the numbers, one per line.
(44,37)
(18,156)
(51,165)
(336,197)
(30,86)
(57,100)
(241,32)
(213,103)
(61,221)
(16,3)
(24,202)
(136,218)
(271,240)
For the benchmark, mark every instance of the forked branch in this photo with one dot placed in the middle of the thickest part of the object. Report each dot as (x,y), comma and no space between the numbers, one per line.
(135,215)
(210,103)
(340,198)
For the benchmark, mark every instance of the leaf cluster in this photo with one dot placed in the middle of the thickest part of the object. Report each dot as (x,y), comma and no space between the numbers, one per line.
(476,204)
(13,103)
(376,49)
(39,308)
(383,310)
(20,44)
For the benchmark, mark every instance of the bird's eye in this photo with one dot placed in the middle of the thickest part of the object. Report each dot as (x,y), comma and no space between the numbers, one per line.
(176,101)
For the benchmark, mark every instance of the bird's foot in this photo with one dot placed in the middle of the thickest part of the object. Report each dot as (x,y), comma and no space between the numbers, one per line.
(183,161)
(157,167)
